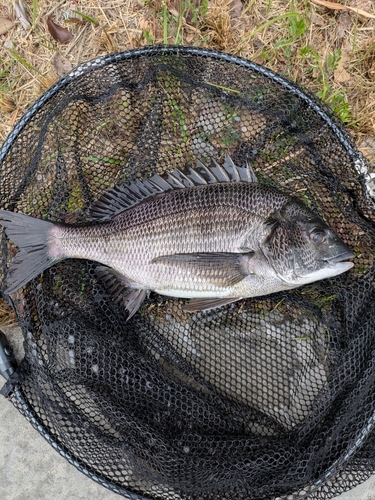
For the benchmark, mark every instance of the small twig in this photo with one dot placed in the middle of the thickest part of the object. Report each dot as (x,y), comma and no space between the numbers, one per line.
(339,6)
(75,40)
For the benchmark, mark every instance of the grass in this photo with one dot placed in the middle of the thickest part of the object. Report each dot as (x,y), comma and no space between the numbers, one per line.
(86,18)
(7,316)
(295,19)
(35,11)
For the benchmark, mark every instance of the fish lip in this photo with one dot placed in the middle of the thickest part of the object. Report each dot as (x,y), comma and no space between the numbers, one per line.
(347,254)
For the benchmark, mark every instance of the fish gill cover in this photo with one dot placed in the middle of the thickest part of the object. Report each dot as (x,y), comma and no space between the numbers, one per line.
(265,398)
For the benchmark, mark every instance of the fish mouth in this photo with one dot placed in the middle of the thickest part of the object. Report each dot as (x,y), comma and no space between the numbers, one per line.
(347,254)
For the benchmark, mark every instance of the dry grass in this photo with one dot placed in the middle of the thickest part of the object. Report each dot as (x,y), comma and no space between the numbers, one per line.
(330,52)
(7,316)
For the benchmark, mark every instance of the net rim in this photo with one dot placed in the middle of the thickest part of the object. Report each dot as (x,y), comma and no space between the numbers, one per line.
(32,418)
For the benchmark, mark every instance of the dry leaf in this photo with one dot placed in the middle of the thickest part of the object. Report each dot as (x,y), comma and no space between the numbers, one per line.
(61,64)
(235,11)
(340,74)
(174,12)
(318,20)
(143,23)
(21,14)
(59,33)
(5,25)
(344,24)
(339,6)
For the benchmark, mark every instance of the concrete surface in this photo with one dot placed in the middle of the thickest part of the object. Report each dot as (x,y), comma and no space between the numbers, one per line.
(30,469)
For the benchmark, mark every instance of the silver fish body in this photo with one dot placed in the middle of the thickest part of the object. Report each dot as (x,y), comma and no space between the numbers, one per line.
(141,243)
(214,243)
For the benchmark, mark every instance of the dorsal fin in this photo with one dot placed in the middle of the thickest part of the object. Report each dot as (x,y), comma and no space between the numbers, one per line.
(120,198)
(239,174)
(178,180)
(219,172)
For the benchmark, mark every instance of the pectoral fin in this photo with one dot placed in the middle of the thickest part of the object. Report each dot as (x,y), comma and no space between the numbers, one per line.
(116,284)
(222,269)
(201,304)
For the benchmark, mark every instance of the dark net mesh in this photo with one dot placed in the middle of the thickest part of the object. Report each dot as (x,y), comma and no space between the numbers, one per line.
(269,397)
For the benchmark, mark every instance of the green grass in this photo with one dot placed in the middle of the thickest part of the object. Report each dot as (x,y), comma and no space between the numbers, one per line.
(228,89)
(5,83)
(230,136)
(297,24)
(322,74)
(148,37)
(23,61)
(172,24)
(294,48)
(166,20)
(95,159)
(35,11)
(314,295)
(86,18)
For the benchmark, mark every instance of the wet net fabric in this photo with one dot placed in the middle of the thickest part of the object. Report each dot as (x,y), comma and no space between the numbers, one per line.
(266,398)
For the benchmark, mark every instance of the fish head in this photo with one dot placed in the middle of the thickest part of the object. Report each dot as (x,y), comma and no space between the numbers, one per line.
(302,248)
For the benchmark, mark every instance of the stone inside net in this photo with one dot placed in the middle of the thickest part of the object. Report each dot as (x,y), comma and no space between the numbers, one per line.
(265,398)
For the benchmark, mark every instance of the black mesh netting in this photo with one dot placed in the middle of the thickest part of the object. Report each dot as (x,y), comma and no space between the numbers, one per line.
(256,400)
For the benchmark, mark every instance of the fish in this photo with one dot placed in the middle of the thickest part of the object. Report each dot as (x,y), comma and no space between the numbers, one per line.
(211,234)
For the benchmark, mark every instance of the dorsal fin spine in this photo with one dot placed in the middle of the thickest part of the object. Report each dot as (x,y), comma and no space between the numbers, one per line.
(220,172)
(211,179)
(196,178)
(161,183)
(182,178)
(175,182)
(121,198)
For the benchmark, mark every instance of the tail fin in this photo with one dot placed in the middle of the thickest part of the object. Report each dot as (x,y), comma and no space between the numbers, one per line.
(31,237)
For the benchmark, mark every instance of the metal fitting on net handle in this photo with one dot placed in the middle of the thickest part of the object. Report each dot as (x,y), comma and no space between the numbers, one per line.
(7,366)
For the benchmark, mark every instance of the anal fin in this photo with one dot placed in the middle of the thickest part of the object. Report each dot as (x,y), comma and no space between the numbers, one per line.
(125,296)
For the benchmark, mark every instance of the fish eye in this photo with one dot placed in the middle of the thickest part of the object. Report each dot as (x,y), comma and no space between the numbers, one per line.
(318,235)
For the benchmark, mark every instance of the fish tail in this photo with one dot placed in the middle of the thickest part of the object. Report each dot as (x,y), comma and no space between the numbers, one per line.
(32,239)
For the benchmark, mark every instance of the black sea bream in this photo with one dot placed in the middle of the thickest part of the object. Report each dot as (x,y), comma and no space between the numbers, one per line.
(214,235)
